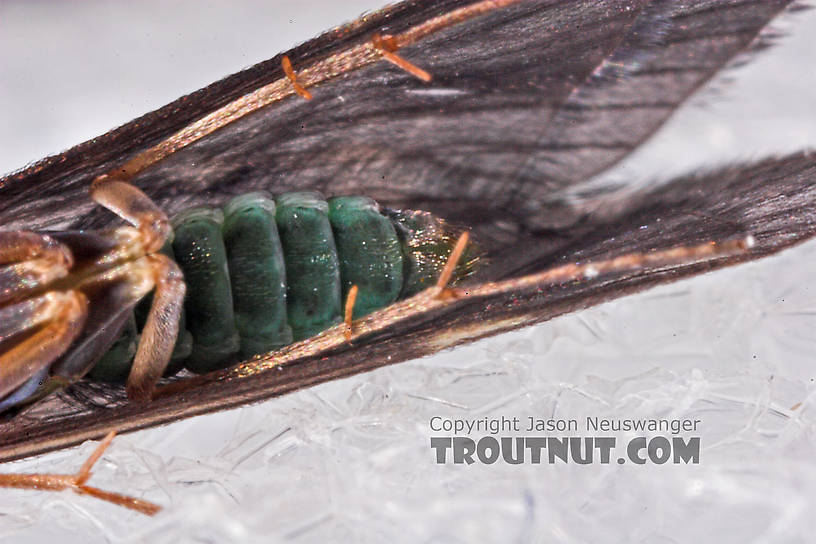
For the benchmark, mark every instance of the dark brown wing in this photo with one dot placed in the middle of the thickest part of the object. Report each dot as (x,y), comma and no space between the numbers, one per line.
(608,87)
(526,100)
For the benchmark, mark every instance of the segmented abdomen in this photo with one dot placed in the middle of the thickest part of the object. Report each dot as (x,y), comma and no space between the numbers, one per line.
(263,273)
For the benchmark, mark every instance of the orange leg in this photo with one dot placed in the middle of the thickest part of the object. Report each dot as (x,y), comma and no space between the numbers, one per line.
(135,207)
(29,260)
(388,47)
(60,318)
(290,74)
(450,265)
(76,483)
(160,331)
(350,300)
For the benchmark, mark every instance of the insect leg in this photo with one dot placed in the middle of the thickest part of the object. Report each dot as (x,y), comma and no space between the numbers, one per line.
(132,205)
(76,482)
(450,265)
(84,472)
(387,45)
(31,260)
(290,74)
(160,331)
(349,311)
(113,295)
(56,319)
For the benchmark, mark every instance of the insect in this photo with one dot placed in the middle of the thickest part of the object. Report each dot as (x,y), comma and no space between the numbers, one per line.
(248,288)
(737,229)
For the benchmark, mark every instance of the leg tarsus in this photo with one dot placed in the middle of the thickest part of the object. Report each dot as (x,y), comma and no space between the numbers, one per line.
(145,507)
(387,45)
(85,470)
(450,265)
(349,312)
(291,76)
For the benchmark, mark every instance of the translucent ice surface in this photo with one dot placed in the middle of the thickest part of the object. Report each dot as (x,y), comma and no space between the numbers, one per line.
(351,460)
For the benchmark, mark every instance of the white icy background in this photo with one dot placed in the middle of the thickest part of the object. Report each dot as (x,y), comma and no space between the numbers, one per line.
(350,460)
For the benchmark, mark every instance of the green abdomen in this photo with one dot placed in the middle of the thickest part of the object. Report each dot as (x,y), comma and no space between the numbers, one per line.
(264,273)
